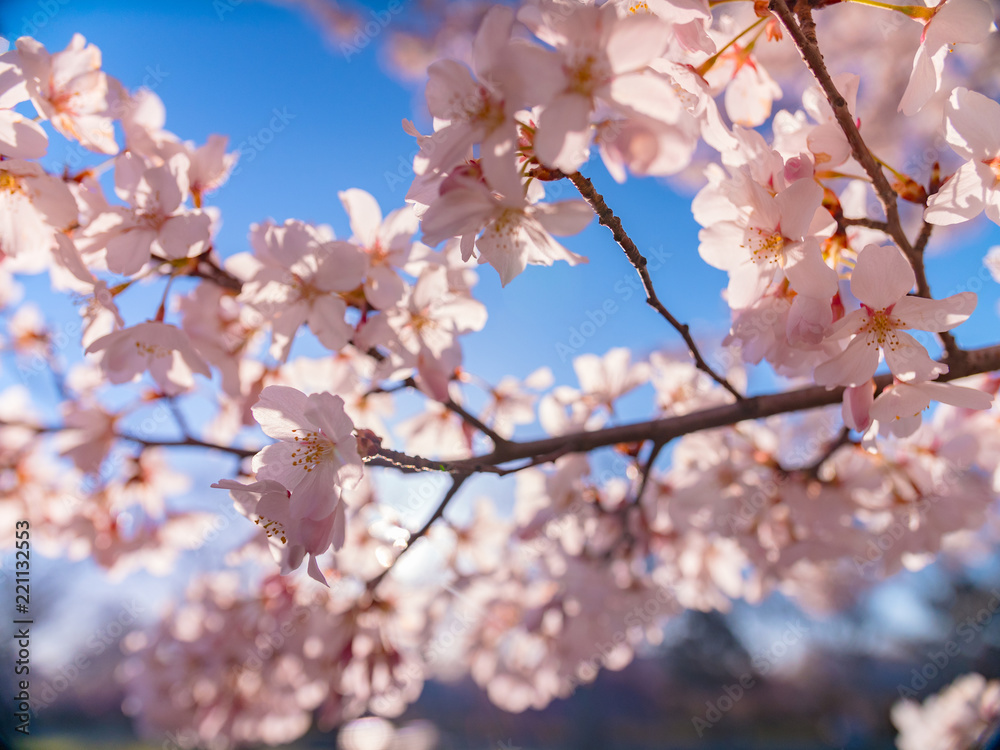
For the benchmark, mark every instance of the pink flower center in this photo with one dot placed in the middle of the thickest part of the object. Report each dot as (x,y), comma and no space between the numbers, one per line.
(151,350)
(994,165)
(272,528)
(9,183)
(880,327)
(313,448)
(767,249)
(586,74)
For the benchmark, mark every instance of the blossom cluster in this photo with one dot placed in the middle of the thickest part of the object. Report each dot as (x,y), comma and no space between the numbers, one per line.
(311,341)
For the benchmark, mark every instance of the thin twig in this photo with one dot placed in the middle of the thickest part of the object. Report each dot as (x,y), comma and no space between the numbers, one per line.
(842,439)
(456,485)
(647,470)
(188,442)
(813,59)
(663,430)
(925,235)
(881,226)
(450,405)
(475,422)
(612,222)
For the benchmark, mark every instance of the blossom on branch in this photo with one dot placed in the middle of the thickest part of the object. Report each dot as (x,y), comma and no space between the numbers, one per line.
(881,281)
(317,454)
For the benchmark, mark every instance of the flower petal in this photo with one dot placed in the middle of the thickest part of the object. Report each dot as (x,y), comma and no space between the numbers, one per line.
(881,276)
(852,367)
(933,314)
(909,360)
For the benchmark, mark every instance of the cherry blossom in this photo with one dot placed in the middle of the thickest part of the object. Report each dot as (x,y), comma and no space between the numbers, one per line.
(515,232)
(387,243)
(973,188)
(350,356)
(302,278)
(70,89)
(267,504)
(161,349)
(479,110)
(422,331)
(779,233)
(881,281)
(20,137)
(601,57)
(898,408)
(34,207)
(947,23)
(316,454)
(156,222)
(958,716)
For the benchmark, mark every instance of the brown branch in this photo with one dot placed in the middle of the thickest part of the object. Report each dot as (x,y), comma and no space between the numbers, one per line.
(813,59)
(844,438)
(881,226)
(661,431)
(647,469)
(188,442)
(203,267)
(451,406)
(974,362)
(475,422)
(607,217)
(456,485)
(925,235)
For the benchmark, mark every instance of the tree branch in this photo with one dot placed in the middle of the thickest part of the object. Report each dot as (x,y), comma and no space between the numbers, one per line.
(881,226)
(612,222)
(813,59)
(456,485)
(661,431)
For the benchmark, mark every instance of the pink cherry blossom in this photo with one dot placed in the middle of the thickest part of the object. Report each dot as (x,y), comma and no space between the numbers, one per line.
(958,716)
(603,380)
(317,453)
(387,244)
(20,136)
(422,331)
(602,59)
(948,23)
(778,233)
(898,408)
(156,222)
(70,89)
(973,189)
(34,208)
(478,109)
(267,503)
(515,232)
(881,281)
(302,279)
(161,349)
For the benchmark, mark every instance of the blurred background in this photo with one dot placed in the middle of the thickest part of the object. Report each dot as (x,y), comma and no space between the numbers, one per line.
(313,102)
